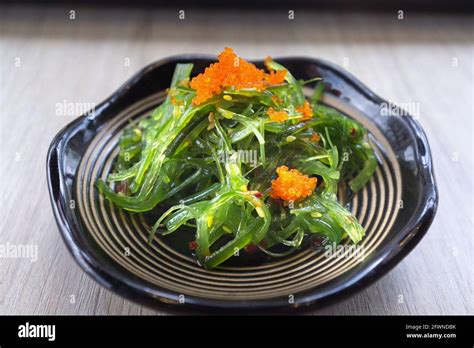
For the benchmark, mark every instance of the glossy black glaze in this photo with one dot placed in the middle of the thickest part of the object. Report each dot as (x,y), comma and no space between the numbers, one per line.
(404,134)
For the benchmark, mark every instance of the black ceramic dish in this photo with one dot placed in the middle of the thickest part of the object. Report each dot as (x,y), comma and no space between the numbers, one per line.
(396,208)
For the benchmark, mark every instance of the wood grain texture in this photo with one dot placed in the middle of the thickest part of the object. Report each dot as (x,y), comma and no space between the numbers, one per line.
(46,59)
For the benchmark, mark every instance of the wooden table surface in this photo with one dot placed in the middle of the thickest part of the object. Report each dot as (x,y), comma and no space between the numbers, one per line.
(49,59)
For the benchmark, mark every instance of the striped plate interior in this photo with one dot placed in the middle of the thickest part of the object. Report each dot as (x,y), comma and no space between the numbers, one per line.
(123,236)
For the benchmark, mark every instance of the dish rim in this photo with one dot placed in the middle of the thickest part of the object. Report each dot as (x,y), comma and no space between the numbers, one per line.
(415,229)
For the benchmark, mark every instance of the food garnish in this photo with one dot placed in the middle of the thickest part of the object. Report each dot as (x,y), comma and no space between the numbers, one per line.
(239,159)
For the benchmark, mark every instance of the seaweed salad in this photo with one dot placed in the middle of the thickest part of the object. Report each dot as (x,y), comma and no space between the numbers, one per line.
(242,157)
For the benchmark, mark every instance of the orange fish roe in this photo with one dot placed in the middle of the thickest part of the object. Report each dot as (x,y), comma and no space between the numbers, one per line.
(315,137)
(176,101)
(275,77)
(291,185)
(277,116)
(231,70)
(276,99)
(306,110)
(266,62)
